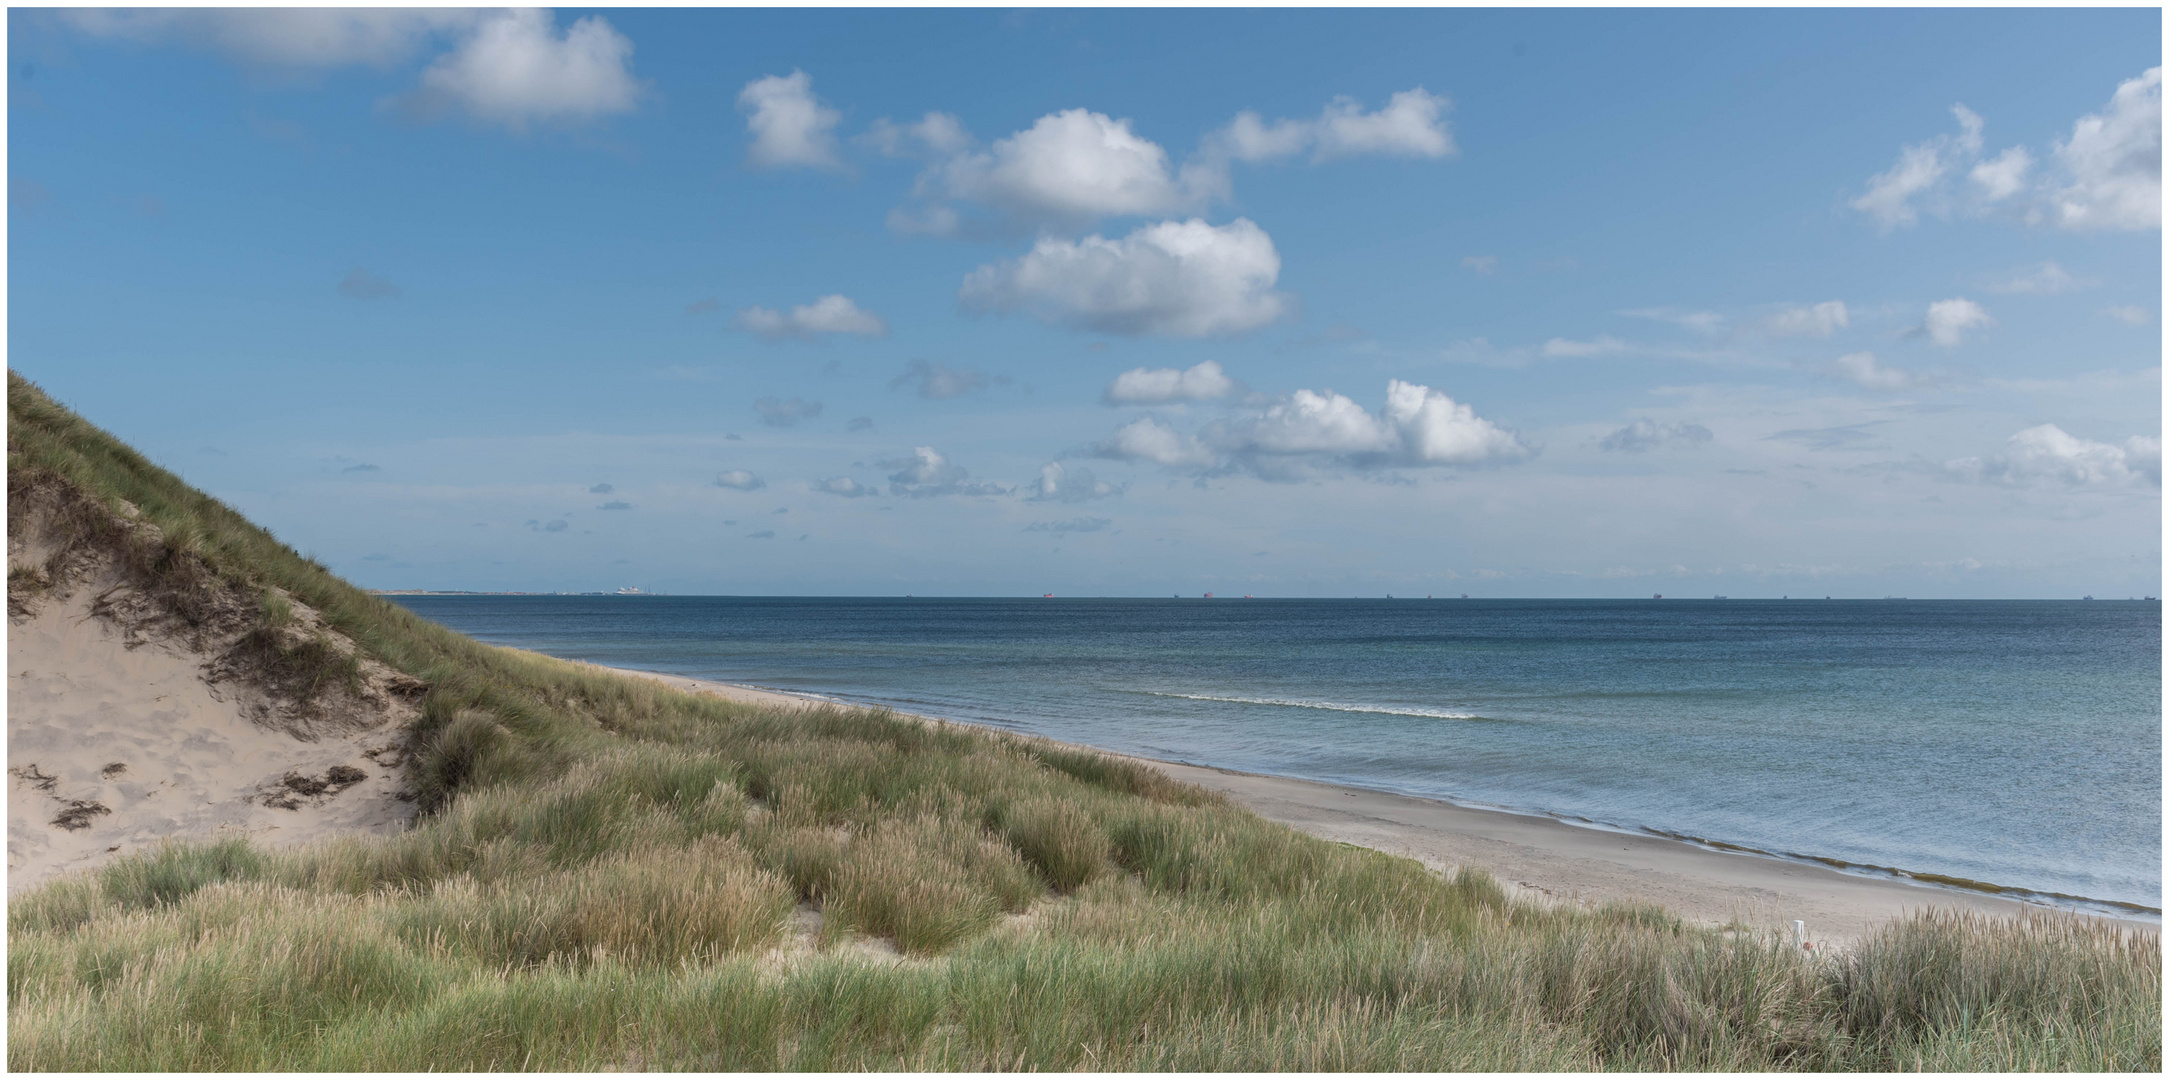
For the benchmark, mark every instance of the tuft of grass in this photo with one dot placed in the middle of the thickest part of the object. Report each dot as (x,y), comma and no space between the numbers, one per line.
(1059,837)
(927,882)
(174,871)
(644,906)
(2039,991)
(451,756)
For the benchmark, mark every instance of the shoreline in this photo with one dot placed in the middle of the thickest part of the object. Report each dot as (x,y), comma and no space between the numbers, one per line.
(1544,859)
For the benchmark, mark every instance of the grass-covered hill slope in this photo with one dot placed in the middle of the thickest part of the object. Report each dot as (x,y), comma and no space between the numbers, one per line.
(613,875)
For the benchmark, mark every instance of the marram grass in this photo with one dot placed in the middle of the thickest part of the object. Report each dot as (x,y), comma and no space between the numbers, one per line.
(613,875)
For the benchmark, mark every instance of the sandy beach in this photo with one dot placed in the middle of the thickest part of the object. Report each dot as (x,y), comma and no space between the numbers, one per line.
(1542,859)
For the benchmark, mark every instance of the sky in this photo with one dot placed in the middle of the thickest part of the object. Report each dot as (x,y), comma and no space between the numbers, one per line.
(1593,303)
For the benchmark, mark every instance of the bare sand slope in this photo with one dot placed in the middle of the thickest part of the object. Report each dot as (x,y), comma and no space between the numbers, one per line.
(112,749)
(1552,862)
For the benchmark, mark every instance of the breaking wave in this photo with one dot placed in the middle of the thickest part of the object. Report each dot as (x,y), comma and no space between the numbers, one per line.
(1328,706)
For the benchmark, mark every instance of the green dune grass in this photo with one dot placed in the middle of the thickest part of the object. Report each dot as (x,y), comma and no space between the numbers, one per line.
(614,875)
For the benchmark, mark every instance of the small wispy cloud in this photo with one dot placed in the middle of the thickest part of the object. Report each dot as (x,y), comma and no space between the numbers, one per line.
(1601,345)
(829,315)
(1864,369)
(927,474)
(1073,525)
(360,284)
(1948,320)
(784,412)
(1700,322)
(932,380)
(845,487)
(1645,434)
(2047,279)
(1845,437)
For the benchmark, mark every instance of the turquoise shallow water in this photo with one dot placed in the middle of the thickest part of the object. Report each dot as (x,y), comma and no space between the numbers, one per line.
(2015,743)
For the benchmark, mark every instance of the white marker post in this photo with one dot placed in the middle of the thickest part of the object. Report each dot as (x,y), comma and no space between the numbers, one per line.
(1799,934)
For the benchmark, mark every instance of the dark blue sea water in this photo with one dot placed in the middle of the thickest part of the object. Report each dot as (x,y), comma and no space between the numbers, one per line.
(2013,743)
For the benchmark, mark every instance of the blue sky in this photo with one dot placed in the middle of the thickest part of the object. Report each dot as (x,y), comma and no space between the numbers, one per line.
(1579,303)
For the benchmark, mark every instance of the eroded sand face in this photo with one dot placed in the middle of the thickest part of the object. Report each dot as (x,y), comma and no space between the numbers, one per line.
(131,746)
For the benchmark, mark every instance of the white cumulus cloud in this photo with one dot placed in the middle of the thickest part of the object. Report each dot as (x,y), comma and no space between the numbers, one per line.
(831,314)
(846,487)
(516,68)
(2130,315)
(927,474)
(1074,166)
(2113,162)
(505,66)
(739,480)
(1418,426)
(1310,422)
(1077,166)
(1171,279)
(1890,195)
(1150,439)
(1070,484)
(1948,320)
(2106,176)
(790,127)
(2049,455)
(2004,175)
(1313,433)
(1160,386)
(1436,430)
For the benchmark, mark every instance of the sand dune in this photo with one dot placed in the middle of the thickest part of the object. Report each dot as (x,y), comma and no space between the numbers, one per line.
(112,749)
(131,721)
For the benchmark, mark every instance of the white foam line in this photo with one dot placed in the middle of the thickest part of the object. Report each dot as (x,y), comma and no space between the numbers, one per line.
(1325,705)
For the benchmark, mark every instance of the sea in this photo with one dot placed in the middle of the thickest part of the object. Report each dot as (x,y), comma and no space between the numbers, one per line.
(2012,746)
